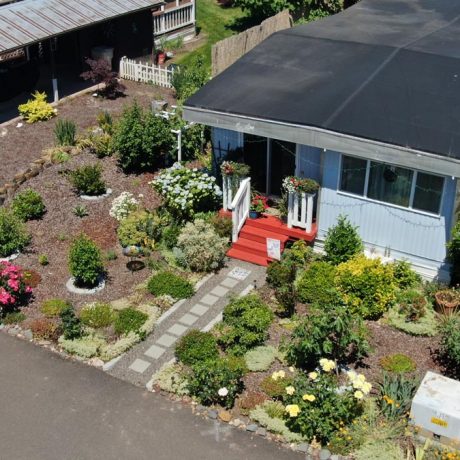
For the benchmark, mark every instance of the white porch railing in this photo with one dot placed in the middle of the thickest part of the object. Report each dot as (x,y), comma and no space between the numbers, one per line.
(145,72)
(229,185)
(240,207)
(300,210)
(173,18)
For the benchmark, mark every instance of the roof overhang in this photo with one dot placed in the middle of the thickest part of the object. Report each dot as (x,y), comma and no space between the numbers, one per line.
(325,139)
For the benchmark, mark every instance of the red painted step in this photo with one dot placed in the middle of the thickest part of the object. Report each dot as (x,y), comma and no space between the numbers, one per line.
(275,225)
(260,235)
(258,249)
(248,257)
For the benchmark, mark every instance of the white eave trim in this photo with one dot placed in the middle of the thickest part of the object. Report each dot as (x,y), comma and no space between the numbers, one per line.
(329,140)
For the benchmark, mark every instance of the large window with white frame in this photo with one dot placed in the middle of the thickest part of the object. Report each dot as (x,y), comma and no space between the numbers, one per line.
(391,184)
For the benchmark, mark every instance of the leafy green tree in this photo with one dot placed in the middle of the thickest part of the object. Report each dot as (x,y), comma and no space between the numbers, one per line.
(189,78)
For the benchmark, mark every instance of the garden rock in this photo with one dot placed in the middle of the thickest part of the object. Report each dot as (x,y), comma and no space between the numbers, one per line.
(212,414)
(252,428)
(303,447)
(324,454)
(225,416)
(28,334)
(261,432)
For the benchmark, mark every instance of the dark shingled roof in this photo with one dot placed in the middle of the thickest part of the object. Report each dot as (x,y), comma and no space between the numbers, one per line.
(386,70)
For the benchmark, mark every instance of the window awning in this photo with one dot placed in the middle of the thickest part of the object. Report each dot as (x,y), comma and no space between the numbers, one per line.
(30,21)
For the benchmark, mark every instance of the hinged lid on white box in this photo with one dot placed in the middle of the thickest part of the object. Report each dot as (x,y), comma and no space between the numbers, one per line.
(436,406)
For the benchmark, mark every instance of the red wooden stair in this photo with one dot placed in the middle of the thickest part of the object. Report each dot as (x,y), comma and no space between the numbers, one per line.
(252,242)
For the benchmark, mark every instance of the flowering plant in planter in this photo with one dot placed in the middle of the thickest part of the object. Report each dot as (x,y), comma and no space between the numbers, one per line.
(187,191)
(258,203)
(13,287)
(234,169)
(294,184)
(316,406)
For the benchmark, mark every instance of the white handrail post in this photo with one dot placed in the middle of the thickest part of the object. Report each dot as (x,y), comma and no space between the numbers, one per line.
(240,207)
(290,209)
(225,193)
(235,225)
(309,213)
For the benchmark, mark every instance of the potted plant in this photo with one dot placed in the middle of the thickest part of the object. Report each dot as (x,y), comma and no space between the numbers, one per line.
(447,301)
(258,206)
(161,51)
(294,184)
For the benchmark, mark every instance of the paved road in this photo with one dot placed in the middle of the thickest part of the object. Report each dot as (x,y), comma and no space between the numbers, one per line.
(53,409)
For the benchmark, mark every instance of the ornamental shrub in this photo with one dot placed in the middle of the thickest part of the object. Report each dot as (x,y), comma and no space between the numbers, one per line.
(187,191)
(245,324)
(404,275)
(100,72)
(367,286)
(223,226)
(170,235)
(97,315)
(13,233)
(316,409)
(450,340)
(65,132)
(54,307)
(216,381)
(260,358)
(45,329)
(453,254)
(342,241)
(123,205)
(398,363)
(71,325)
(28,205)
(87,180)
(196,347)
(300,254)
(280,273)
(250,400)
(203,249)
(332,332)
(36,109)
(172,378)
(13,287)
(129,320)
(139,228)
(85,261)
(168,283)
(316,285)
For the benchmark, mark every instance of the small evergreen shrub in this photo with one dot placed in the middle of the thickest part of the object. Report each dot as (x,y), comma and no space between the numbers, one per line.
(170,235)
(167,283)
(97,315)
(216,381)
(316,285)
(450,340)
(203,249)
(129,320)
(45,329)
(139,228)
(65,132)
(367,286)
(196,347)
(245,324)
(404,275)
(14,317)
(260,358)
(87,180)
(342,241)
(54,307)
(28,205)
(36,109)
(300,254)
(13,233)
(85,261)
(280,274)
(71,325)
(398,363)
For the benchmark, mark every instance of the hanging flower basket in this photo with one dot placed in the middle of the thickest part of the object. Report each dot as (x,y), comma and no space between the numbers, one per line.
(447,301)
(294,184)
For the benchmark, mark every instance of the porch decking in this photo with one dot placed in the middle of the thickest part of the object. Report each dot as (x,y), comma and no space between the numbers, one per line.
(251,245)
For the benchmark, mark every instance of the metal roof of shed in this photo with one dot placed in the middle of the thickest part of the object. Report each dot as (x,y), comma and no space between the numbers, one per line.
(30,21)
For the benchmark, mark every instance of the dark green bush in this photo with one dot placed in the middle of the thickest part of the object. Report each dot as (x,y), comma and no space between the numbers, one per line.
(280,274)
(328,333)
(54,307)
(167,283)
(450,340)
(404,275)
(71,325)
(13,233)
(208,377)
(139,228)
(245,324)
(85,261)
(342,241)
(87,180)
(196,347)
(223,225)
(28,205)
(65,132)
(170,234)
(316,285)
(300,254)
(97,315)
(129,320)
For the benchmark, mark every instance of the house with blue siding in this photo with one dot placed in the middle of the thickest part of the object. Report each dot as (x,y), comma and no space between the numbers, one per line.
(366,102)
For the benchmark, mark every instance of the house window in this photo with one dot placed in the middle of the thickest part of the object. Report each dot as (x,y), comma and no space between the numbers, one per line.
(392,184)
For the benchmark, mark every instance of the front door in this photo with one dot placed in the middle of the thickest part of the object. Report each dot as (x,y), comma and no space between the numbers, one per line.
(270,160)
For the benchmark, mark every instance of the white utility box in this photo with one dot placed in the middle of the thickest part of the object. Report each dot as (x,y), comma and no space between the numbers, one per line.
(436,409)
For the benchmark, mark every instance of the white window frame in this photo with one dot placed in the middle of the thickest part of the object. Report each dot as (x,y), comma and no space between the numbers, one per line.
(364,196)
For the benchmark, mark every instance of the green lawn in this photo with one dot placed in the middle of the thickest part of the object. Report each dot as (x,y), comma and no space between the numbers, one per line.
(215,22)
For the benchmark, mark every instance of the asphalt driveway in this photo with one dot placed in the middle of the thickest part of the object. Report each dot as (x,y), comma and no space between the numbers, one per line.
(54,409)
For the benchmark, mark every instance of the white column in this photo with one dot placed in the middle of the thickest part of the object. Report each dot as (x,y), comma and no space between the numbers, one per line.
(309,213)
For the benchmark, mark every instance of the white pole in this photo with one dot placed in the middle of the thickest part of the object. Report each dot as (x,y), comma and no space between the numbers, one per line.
(179,145)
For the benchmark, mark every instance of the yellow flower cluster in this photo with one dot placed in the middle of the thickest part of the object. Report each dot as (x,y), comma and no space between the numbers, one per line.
(327,365)
(293,410)
(313,375)
(360,384)
(278,375)
(290,390)
(308,397)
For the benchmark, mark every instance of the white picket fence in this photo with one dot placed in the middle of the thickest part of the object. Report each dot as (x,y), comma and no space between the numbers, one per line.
(300,210)
(145,72)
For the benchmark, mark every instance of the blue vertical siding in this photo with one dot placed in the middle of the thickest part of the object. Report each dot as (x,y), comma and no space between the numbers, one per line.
(224,141)
(309,162)
(419,237)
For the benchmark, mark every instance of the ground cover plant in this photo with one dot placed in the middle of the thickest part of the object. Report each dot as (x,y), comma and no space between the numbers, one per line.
(168,283)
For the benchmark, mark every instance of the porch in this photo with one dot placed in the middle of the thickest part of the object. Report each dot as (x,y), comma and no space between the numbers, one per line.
(175,18)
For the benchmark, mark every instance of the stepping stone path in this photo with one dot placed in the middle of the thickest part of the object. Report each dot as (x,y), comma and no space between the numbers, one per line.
(202,312)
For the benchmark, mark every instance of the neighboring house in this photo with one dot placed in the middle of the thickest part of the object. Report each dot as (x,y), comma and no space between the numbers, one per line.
(56,36)
(368,103)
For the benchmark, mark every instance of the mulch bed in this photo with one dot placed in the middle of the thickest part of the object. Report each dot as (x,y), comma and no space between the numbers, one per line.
(53,234)
(20,146)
